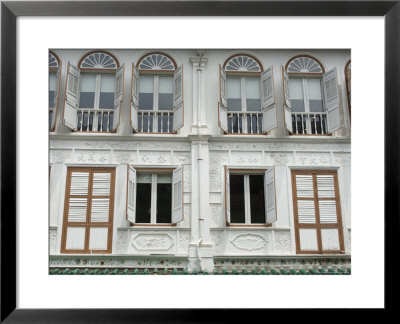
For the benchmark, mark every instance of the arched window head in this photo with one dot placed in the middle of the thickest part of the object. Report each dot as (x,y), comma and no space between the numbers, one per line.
(304,64)
(53,60)
(157,62)
(242,63)
(99,60)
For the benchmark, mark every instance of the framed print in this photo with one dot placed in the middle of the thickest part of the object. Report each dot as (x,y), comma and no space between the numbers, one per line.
(251,148)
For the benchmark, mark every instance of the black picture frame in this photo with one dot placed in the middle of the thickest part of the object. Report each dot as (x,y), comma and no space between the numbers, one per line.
(10,10)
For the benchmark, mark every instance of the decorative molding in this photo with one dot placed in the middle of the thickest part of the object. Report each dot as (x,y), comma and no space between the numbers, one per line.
(128,157)
(87,156)
(343,159)
(249,242)
(316,159)
(282,241)
(215,177)
(152,241)
(184,238)
(60,155)
(215,215)
(217,238)
(246,158)
(52,240)
(149,157)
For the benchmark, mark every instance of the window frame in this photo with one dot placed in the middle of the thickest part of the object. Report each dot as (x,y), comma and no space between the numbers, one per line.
(317,226)
(88,224)
(243,94)
(245,172)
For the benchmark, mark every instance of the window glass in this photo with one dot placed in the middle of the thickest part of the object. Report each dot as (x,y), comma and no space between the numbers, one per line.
(165,92)
(237,208)
(253,102)
(143,198)
(296,95)
(52,88)
(233,92)
(88,87)
(164,198)
(257,204)
(107,91)
(146,89)
(315,95)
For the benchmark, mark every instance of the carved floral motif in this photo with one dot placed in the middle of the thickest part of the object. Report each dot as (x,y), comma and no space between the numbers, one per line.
(145,241)
(282,241)
(249,242)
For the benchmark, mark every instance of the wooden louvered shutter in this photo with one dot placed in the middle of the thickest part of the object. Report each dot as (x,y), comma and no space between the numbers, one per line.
(269,191)
(131,195)
(71,100)
(118,96)
(268,100)
(287,107)
(178,98)
(134,98)
(177,195)
(331,97)
(317,212)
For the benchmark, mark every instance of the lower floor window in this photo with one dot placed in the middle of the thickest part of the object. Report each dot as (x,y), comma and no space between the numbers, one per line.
(316,205)
(88,211)
(250,197)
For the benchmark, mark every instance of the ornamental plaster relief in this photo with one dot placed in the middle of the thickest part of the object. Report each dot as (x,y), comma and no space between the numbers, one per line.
(317,159)
(282,241)
(52,240)
(184,240)
(280,147)
(152,241)
(343,159)
(217,238)
(149,157)
(60,156)
(87,156)
(187,178)
(219,157)
(248,242)
(128,157)
(277,158)
(215,215)
(181,158)
(246,158)
(215,177)
(186,217)
(122,242)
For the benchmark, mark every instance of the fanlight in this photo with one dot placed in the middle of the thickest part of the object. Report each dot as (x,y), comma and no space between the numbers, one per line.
(242,64)
(304,64)
(99,61)
(53,62)
(156,62)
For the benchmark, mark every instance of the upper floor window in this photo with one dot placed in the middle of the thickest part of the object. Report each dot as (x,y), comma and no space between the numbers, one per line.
(347,74)
(311,97)
(247,99)
(54,88)
(157,95)
(94,92)
(155,196)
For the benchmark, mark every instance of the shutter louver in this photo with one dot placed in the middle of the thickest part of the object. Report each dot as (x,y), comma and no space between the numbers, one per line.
(222,106)
(131,195)
(118,96)
(269,189)
(56,99)
(268,100)
(178,99)
(177,195)
(227,196)
(71,100)
(134,98)
(77,210)
(331,96)
(286,101)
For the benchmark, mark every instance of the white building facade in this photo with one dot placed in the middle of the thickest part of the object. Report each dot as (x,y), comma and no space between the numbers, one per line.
(200,161)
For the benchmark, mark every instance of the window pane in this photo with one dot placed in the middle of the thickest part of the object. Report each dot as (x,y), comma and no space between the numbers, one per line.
(296,95)
(143,198)
(253,101)
(52,88)
(233,93)
(237,198)
(165,94)
(146,89)
(257,204)
(88,87)
(315,95)
(107,91)
(164,198)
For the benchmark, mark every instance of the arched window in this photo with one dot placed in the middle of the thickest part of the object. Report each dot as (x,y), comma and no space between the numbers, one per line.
(247,100)
(347,74)
(311,97)
(157,95)
(54,88)
(94,93)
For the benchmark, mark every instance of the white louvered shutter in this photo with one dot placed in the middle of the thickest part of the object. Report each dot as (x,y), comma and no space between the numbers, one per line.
(71,100)
(331,96)
(177,195)
(227,196)
(56,98)
(287,107)
(134,98)
(118,95)
(268,100)
(131,195)
(269,190)
(178,98)
(222,87)
(223,117)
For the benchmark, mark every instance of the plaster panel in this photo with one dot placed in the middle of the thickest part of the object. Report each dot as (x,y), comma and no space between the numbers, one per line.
(92,156)
(150,242)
